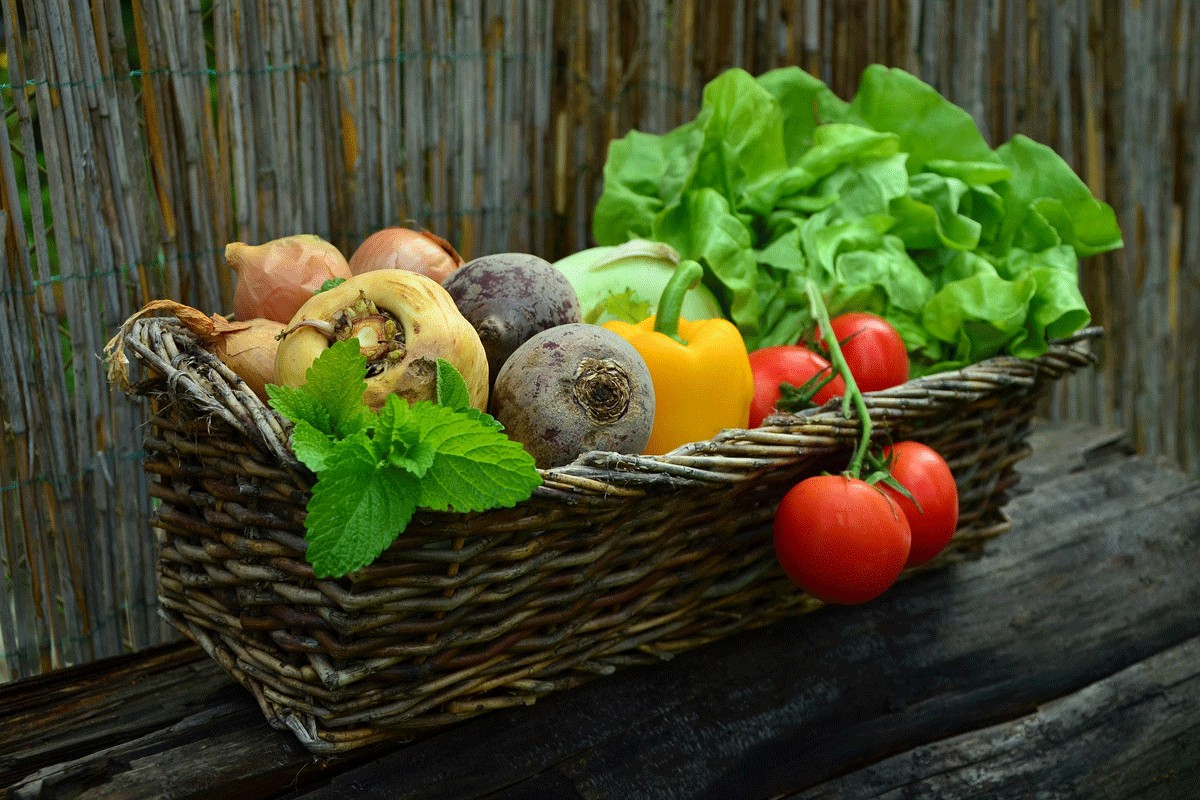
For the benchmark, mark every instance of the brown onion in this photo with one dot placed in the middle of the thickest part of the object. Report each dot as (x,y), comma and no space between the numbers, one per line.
(400,248)
(248,348)
(250,352)
(277,277)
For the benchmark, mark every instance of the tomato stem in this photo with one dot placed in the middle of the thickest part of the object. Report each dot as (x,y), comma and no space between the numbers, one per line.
(853,395)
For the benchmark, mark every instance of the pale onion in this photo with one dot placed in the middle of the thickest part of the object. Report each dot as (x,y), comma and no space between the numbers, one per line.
(246,347)
(250,352)
(400,248)
(403,321)
(275,278)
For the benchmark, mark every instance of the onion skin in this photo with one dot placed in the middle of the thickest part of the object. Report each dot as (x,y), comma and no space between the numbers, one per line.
(250,352)
(432,328)
(277,277)
(248,348)
(401,248)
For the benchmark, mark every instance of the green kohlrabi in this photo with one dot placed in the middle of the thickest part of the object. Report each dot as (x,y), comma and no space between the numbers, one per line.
(626,281)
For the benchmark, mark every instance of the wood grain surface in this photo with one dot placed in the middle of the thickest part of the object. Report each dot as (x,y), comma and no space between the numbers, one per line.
(1062,662)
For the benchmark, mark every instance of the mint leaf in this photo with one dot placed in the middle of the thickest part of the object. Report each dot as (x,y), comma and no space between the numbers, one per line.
(474,468)
(398,438)
(452,392)
(487,420)
(299,406)
(357,509)
(337,381)
(451,388)
(332,283)
(391,429)
(311,446)
(416,459)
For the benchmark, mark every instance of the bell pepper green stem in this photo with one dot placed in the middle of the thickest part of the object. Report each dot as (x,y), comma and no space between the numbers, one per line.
(670,305)
(853,395)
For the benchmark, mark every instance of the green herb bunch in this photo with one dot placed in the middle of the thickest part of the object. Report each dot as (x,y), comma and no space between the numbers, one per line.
(375,469)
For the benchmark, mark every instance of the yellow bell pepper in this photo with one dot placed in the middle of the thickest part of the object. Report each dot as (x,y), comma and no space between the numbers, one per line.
(700,369)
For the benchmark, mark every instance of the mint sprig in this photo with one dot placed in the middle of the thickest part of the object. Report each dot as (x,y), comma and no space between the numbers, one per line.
(331,399)
(375,469)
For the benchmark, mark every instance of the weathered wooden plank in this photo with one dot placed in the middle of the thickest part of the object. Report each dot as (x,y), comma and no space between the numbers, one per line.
(778,710)
(57,717)
(1069,446)
(111,728)
(1133,735)
(1042,615)
(217,752)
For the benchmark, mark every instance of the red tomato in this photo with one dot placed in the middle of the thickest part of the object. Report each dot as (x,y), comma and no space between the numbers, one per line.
(787,363)
(840,539)
(873,349)
(927,477)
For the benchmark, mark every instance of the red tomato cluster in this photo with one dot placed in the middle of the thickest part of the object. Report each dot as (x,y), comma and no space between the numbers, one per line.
(873,350)
(839,538)
(843,540)
(792,364)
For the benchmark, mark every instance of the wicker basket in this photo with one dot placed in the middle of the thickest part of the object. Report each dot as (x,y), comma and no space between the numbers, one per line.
(614,560)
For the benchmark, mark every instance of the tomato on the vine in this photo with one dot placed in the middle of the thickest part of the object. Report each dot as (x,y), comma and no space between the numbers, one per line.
(788,363)
(873,350)
(927,477)
(841,539)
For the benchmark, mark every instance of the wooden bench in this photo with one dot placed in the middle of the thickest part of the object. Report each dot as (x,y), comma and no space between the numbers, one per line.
(1064,663)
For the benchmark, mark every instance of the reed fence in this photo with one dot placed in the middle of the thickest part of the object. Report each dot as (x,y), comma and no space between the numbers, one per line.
(143,136)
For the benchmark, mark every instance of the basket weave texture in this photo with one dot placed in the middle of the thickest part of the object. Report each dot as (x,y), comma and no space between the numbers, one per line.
(614,560)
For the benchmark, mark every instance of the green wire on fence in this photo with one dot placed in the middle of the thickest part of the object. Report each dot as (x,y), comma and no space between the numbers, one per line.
(64,481)
(544,59)
(125,269)
(101,625)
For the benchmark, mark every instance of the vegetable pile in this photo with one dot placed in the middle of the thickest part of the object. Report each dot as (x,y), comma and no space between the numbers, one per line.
(783,250)
(892,203)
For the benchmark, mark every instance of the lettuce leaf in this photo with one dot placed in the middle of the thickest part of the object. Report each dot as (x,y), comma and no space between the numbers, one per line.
(1047,200)
(892,202)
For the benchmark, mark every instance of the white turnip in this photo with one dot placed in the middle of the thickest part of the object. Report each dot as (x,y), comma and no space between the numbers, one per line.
(404,322)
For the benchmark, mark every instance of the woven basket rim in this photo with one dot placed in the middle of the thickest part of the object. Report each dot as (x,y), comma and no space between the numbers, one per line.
(730,455)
